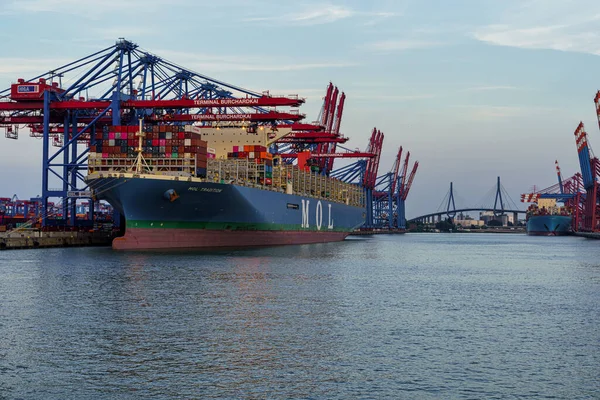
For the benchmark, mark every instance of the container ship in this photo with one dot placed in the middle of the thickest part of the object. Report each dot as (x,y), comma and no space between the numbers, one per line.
(196,187)
(547,219)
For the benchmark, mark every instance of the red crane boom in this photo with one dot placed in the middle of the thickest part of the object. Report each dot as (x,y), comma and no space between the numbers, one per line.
(372,167)
(396,169)
(406,189)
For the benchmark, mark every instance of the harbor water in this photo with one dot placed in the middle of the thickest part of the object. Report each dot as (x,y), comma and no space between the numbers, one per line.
(416,316)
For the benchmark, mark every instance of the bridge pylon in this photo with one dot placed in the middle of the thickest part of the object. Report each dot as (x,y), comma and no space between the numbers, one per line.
(451,207)
(498,199)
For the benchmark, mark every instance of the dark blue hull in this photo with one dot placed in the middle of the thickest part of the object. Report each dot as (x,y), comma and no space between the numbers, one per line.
(549,225)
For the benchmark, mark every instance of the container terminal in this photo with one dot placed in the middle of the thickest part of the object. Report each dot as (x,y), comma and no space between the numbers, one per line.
(160,151)
(572,205)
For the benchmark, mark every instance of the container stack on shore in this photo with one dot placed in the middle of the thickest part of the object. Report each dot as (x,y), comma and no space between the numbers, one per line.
(164,148)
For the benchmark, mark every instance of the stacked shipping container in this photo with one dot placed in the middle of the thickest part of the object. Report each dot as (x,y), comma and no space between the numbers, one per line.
(165,147)
(259,155)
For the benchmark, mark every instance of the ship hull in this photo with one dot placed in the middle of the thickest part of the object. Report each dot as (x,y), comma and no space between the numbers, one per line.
(168,213)
(136,238)
(549,225)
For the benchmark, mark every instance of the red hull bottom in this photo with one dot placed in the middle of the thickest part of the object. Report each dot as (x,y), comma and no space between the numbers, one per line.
(140,238)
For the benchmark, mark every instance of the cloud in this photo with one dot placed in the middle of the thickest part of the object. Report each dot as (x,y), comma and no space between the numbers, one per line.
(488,88)
(14,66)
(91,9)
(400,45)
(321,14)
(326,14)
(557,37)
(483,112)
(127,32)
(208,62)
(552,24)
(394,97)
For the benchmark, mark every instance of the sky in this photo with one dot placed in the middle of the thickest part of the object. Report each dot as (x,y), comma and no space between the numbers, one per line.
(475,89)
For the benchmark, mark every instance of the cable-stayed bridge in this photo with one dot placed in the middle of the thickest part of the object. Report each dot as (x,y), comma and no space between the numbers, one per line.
(496,200)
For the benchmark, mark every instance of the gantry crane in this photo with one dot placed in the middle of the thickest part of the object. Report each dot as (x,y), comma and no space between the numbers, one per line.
(590,170)
(129,84)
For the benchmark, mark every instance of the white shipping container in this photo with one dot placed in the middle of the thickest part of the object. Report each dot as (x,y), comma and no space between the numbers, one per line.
(193,129)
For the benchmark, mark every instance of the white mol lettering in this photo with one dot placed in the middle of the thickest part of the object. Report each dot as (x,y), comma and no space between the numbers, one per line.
(305,204)
(319,215)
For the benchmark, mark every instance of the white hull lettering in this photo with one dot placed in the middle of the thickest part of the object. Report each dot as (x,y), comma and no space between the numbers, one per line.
(319,215)
(305,211)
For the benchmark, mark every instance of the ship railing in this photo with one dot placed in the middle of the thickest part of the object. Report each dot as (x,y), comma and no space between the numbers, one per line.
(284,179)
(244,172)
(185,166)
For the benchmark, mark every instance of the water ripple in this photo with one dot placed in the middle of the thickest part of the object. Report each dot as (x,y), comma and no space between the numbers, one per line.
(414,316)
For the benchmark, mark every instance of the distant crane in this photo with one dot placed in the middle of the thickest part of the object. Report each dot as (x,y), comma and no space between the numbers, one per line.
(559,176)
(392,191)
(590,170)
